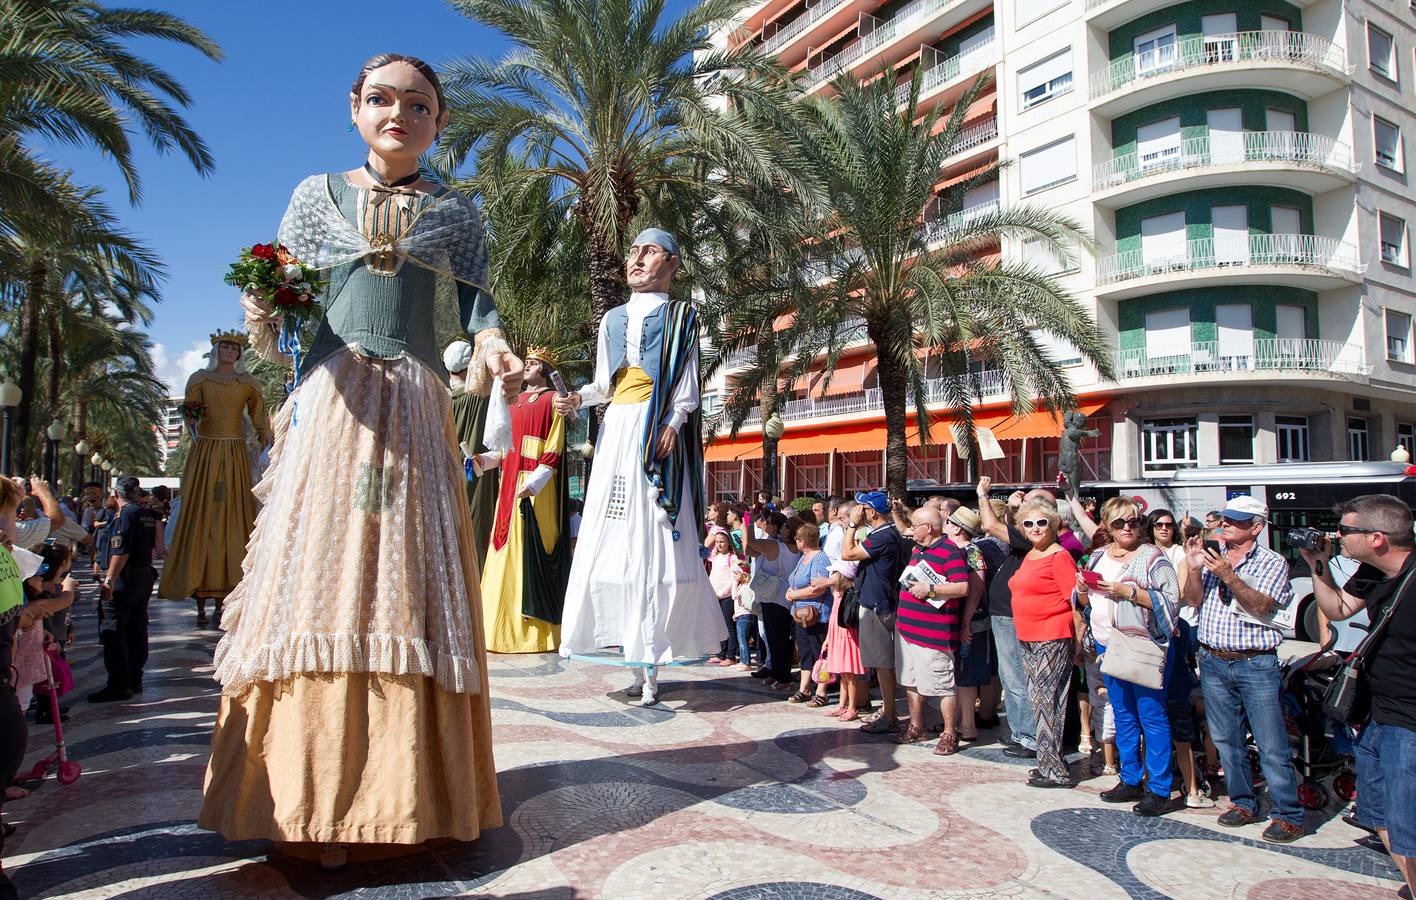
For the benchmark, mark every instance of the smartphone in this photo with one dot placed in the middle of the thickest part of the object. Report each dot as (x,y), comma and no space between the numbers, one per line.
(1213,546)
(1091,578)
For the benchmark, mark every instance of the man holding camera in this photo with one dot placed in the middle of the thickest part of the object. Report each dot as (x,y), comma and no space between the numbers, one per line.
(1375,531)
(1237,587)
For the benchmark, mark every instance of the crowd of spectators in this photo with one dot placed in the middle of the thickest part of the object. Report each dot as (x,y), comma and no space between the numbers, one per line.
(1017,602)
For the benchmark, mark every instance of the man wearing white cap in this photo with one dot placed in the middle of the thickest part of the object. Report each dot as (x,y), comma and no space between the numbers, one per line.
(1237,591)
(637,581)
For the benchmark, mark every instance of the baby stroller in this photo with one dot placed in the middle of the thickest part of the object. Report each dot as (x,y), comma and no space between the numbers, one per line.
(1323,750)
(68,770)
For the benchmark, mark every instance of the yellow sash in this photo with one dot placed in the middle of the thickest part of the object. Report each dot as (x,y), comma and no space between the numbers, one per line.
(632,385)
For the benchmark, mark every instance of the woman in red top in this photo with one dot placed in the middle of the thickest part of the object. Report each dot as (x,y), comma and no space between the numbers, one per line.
(1047,627)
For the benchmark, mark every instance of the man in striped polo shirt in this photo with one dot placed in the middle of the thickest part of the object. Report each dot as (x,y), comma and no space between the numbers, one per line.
(927,626)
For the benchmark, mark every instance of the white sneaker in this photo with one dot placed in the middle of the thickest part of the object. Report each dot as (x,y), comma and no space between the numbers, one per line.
(650,698)
(1199,801)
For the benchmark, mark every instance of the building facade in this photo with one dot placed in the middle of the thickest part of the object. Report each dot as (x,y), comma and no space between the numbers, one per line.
(1241,166)
(169,430)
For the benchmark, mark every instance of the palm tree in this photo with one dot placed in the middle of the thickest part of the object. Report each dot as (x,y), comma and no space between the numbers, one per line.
(931,295)
(538,263)
(66,77)
(621,116)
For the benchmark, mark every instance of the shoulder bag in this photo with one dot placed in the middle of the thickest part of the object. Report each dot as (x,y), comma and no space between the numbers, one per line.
(848,610)
(1348,698)
(1133,654)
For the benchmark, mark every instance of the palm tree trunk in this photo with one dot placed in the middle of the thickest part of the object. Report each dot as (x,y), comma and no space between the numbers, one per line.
(55,349)
(767,349)
(606,277)
(80,432)
(894,391)
(29,361)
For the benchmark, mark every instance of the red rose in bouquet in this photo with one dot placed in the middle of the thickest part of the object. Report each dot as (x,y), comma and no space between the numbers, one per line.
(272,272)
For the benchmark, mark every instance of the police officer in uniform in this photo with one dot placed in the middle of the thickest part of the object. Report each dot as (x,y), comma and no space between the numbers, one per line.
(127,585)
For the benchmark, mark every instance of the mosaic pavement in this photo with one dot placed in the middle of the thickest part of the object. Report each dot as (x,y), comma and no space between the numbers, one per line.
(723,791)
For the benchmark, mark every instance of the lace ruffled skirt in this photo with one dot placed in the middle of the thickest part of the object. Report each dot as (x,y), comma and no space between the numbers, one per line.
(354,703)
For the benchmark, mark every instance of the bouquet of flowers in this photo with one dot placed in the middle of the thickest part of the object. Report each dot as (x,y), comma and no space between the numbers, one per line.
(193,410)
(274,274)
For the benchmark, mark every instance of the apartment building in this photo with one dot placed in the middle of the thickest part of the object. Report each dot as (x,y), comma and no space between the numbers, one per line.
(1241,166)
(169,430)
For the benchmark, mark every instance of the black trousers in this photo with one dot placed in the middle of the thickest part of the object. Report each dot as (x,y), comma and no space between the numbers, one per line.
(777,623)
(13,736)
(124,629)
(728,649)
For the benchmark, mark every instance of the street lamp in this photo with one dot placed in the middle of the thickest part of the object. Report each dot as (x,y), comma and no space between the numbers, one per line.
(81,452)
(96,460)
(773,430)
(10,397)
(55,433)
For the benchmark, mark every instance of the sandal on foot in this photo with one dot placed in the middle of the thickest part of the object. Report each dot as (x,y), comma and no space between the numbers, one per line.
(880,725)
(799,697)
(911,734)
(948,745)
(818,701)
(850,715)
(836,713)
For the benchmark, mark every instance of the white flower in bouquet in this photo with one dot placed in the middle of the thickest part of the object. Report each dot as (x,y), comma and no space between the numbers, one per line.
(292,272)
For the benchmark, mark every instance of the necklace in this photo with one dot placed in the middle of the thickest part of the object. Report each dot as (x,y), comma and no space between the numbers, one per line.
(402,182)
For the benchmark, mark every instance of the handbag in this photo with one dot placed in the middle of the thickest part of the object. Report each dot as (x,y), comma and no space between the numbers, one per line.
(765,586)
(819,673)
(806,616)
(1132,654)
(848,610)
(1348,698)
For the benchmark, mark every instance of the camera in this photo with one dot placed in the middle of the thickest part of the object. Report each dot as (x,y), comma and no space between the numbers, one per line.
(1307,538)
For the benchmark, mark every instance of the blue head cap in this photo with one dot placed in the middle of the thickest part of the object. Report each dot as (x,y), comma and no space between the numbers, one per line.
(876,500)
(661,237)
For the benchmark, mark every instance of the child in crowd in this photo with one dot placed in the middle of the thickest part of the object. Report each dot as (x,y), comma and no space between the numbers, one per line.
(725,569)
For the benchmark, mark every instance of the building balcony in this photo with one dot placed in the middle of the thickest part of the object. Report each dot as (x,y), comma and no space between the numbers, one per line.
(992,384)
(1107,14)
(1313,163)
(1280,356)
(791,41)
(1291,61)
(915,21)
(952,74)
(1300,260)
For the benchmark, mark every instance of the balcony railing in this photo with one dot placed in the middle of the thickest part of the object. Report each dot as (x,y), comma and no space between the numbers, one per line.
(917,13)
(1195,51)
(968,62)
(992,383)
(1262,355)
(1303,250)
(933,231)
(1203,152)
(801,23)
(976,134)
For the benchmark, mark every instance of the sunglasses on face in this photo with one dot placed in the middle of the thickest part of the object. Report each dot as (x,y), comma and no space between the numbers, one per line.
(1345,530)
(1036,523)
(1164,525)
(1130,524)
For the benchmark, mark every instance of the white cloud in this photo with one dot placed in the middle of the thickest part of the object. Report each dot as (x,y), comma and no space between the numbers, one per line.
(175,369)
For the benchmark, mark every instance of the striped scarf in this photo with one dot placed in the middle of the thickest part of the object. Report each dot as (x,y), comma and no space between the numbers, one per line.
(678,359)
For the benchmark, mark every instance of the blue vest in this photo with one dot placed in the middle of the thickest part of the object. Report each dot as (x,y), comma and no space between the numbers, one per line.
(651,339)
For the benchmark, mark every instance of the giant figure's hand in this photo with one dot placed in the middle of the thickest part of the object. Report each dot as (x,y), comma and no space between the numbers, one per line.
(668,439)
(566,404)
(509,369)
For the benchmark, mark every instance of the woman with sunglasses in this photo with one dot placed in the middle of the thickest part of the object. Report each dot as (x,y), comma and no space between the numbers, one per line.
(1139,573)
(1047,624)
(1163,530)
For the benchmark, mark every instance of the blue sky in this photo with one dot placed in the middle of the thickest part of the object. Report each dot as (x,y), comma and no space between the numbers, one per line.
(273,112)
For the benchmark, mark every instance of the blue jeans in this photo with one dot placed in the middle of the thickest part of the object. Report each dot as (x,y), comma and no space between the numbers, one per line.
(1250,687)
(1386,795)
(1140,711)
(1015,683)
(746,627)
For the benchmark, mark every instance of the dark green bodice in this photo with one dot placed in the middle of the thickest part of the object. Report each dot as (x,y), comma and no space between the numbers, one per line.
(385,307)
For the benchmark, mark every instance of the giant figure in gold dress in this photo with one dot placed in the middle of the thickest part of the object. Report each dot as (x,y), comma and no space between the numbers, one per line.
(218,509)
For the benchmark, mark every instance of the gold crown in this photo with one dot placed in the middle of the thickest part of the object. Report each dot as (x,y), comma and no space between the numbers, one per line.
(229,337)
(544,354)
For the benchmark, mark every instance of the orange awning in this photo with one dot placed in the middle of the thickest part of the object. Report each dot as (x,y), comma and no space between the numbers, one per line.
(870,435)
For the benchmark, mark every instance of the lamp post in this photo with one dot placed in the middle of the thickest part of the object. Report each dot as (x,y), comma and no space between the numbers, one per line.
(10,397)
(772,430)
(96,460)
(81,451)
(55,433)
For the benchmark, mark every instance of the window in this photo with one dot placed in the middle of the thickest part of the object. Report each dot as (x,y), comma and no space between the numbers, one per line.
(1168,341)
(1236,440)
(1056,350)
(1163,244)
(1170,443)
(1155,51)
(1158,144)
(1386,138)
(1220,36)
(1292,438)
(1042,256)
(1044,80)
(1358,447)
(1406,437)
(1381,52)
(1393,239)
(1049,166)
(1029,10)
(1398,336)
